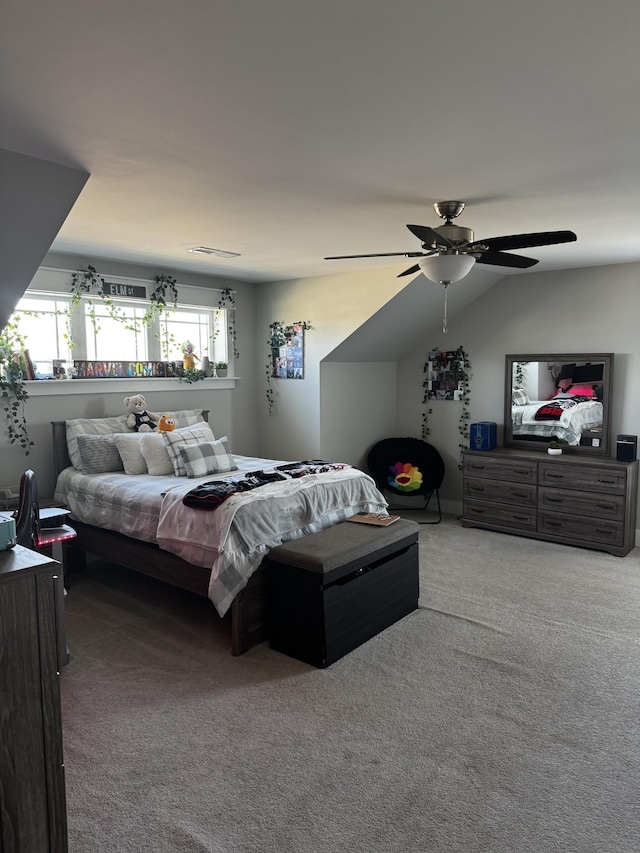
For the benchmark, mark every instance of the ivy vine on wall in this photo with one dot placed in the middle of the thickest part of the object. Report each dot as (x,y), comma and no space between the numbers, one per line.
(227,301)
(13,389)
(279,334)
(452,372)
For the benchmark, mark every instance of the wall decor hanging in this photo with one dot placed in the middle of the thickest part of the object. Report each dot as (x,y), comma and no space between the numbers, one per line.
(286,354)
(448,376)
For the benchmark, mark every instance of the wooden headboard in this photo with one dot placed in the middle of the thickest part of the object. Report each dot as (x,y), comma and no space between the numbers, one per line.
(61,454)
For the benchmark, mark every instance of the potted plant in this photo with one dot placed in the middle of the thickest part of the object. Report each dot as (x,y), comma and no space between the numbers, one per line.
(556,445)
(221,368)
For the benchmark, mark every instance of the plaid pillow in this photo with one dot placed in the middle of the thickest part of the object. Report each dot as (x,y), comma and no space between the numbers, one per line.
(182,436)
(187,417)
(208,457)
(519,397)
(91,426)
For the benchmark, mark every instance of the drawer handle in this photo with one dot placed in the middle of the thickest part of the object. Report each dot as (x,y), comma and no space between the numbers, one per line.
(521,518)
(552,476)
(520,494)
(476,466)
(477,488)
(606,532)
(522,470)
(605,506)
(553,523)
(550,500)
(607,482)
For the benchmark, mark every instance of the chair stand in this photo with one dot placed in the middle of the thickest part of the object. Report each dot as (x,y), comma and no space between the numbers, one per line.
(423,508)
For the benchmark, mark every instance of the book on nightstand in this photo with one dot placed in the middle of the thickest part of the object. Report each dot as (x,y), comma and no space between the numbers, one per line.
(378,518)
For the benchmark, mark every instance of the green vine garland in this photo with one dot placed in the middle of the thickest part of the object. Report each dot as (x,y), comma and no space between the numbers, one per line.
(228,301)
(279,334)
(13,389)
(460,368)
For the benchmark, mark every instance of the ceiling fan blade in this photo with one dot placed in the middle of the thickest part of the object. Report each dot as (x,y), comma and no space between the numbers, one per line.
(524,241)
(415,268)
(502,259)
(378,255)
(429,236)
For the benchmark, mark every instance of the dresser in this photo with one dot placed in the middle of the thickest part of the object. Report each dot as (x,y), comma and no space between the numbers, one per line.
(577,500)
(32,788)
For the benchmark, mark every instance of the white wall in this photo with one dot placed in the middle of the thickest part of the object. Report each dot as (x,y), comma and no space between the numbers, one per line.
(579,311)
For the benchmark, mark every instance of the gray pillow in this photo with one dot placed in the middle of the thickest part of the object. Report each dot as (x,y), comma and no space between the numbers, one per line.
(184,435)
(98,454)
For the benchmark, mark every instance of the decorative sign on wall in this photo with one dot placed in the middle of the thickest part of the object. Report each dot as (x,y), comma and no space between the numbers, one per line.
(287,352)
(126,369)
(131,291)
(443,375)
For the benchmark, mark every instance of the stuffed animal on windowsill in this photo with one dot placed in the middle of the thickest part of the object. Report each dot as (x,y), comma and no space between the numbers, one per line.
(189,356)
(139,418)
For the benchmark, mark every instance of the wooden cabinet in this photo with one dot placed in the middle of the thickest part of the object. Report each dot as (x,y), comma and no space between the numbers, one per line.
(577,500)
(32,789)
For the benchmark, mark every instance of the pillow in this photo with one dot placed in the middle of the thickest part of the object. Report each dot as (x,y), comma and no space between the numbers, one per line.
(184,435)
(519,397)
(208,457)
(154,451)
(128,444)
(581,391)
(187,417)
(90,426)
(98,454)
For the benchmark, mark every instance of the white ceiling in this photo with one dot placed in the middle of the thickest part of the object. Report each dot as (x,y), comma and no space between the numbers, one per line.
(287,130)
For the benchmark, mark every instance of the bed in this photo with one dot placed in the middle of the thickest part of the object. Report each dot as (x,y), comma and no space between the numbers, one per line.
(139,519)
(565,416)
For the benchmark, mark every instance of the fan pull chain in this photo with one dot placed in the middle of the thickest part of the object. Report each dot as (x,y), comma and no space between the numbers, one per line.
(445,284)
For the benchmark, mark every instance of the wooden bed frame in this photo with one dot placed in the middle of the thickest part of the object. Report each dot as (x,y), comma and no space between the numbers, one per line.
(248,610)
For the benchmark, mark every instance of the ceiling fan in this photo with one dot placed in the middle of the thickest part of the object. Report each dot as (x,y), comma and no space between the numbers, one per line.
(449,251)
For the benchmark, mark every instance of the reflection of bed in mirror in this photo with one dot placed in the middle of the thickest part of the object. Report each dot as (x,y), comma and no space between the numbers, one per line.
(558,396)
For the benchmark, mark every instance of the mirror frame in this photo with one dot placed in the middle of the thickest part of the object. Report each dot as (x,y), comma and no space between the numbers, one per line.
(569,358)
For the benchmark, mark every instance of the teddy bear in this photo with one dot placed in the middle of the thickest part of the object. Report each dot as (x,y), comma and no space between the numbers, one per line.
(139,418)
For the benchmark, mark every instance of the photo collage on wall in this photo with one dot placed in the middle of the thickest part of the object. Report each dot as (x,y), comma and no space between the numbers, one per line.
(442,380)
(287,360)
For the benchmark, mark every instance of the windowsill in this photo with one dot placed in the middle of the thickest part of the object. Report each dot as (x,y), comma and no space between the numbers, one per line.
(51,387)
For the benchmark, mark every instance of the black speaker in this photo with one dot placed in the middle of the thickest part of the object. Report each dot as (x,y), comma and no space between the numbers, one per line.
(626,448)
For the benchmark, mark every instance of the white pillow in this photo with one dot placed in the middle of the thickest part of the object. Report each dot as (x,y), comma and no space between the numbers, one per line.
(184,435)
(155,454)
(207,457)
(128,444)
(91,426)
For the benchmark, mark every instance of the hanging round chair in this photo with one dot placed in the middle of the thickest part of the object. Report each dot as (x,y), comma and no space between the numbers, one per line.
(407,468)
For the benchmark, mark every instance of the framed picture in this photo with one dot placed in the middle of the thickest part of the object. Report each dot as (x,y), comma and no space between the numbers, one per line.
(442,375)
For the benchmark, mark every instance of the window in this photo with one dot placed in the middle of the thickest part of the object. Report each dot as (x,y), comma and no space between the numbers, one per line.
(43,323)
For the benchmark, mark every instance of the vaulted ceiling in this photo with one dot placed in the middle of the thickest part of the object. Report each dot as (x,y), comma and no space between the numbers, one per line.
(288,130)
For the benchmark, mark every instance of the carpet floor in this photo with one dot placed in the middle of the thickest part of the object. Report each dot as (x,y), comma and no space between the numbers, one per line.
(502,716)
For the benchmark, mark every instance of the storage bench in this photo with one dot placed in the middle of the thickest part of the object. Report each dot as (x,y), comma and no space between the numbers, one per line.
(329,592)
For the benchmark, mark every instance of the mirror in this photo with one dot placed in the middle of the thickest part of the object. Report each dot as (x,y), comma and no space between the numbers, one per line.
(558,396)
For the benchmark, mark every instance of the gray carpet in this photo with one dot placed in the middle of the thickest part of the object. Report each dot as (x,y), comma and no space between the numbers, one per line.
(502,716)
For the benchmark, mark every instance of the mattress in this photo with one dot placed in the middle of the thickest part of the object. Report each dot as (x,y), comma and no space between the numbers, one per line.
(233,539)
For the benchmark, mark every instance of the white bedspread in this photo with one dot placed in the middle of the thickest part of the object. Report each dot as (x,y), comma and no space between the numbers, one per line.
(572,423)
(233,539)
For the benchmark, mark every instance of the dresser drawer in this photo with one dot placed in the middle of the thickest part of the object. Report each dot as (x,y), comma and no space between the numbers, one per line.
(500,491)
(515,471)
(581,503)
(493,513)
(581,529)
(583,477)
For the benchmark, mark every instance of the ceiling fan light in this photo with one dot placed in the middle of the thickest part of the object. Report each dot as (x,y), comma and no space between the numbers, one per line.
(441,268)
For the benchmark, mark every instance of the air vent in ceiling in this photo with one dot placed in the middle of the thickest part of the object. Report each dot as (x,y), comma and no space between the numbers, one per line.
(221,253)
